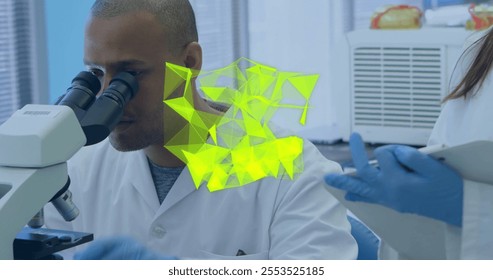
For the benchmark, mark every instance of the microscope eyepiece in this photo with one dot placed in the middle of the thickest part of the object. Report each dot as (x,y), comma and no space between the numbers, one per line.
(88,80)
(122,88)
(81,94)
(128,79)
(107,110)
(99,115)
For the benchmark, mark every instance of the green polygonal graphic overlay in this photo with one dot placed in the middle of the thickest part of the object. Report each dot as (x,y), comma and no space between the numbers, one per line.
(237,148)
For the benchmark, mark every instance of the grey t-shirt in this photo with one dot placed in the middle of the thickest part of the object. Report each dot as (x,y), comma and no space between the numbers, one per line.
(164,178)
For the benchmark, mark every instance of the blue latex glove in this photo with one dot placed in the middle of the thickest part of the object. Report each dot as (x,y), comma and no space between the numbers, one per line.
(119,248)
(406,180)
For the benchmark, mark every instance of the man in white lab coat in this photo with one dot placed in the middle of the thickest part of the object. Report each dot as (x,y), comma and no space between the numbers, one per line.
(131,185)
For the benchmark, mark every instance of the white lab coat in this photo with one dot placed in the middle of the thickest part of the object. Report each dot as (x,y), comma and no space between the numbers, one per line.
(461,121)
(267,219)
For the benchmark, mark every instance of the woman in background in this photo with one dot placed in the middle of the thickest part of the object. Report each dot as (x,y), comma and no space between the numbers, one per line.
(411,182)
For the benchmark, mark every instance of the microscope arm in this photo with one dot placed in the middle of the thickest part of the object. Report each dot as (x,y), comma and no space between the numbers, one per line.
(35,144)
(37,140)
(23,193)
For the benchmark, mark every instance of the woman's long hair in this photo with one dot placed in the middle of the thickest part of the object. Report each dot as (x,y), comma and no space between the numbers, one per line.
(478,71)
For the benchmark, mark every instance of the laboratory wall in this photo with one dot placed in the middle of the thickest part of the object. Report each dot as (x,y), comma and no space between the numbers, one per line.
(294,35)
(65,20)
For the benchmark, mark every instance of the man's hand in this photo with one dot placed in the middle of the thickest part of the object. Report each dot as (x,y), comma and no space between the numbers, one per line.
(119,248)
(406,180)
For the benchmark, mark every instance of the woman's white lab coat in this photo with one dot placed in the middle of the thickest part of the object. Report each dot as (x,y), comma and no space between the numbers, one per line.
(268,219)
(461,121)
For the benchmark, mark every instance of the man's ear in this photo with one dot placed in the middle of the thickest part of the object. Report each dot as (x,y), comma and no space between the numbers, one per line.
(193,56)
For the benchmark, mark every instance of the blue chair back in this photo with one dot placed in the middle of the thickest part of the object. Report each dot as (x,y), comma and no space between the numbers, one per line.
(367,241)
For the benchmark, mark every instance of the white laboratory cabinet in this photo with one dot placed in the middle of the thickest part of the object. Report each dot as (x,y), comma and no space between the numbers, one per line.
(391,82)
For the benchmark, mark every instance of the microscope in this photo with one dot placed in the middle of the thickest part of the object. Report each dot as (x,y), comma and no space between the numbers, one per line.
(35,144)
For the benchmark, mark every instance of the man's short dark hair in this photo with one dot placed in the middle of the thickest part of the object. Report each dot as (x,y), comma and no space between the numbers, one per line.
(177,16)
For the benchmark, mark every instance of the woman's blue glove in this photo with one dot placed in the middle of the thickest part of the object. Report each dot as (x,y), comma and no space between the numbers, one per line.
(406,180)
(119,248)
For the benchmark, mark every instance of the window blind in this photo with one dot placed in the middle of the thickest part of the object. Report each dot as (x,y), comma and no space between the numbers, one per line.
(22,55)
(222,27)
(8,87)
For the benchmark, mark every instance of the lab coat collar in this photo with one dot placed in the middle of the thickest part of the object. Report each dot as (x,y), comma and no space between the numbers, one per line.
(183,187)
(140,177)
